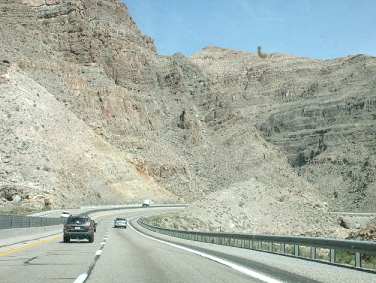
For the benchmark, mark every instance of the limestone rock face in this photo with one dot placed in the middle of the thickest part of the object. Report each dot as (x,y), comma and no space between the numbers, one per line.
(50,158)
(91,59)
(321,114)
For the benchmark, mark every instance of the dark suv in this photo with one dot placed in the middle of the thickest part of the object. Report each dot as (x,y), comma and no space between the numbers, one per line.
(79,227)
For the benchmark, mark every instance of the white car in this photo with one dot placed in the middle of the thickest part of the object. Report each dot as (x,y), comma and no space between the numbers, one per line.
(120,223)
(146,203)
(65,214)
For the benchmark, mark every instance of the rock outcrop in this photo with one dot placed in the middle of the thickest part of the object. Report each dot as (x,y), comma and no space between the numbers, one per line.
(319,113)
(50,158)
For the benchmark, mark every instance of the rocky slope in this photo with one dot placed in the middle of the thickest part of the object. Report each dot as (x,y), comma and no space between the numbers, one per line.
(50,158)
(320,113)
(367,233)
(76,51)
(245,138)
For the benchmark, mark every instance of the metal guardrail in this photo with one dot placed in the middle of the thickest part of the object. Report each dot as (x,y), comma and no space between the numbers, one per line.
(19,221)
(349,253)
(99,209)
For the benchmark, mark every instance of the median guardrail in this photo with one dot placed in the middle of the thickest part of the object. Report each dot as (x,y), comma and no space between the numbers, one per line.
(99,209)
(19,221)
(360,255)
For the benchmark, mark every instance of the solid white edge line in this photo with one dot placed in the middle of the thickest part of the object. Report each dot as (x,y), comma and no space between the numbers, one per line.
(99,252)
(81,278)
(237,267)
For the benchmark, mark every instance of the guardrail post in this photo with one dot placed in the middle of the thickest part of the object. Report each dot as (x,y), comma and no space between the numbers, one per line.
(284,248)
(296,250)
(313,252)
(332,255)
(358,260)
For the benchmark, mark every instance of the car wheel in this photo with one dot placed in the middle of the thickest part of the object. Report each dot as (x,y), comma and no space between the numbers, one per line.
(66,239)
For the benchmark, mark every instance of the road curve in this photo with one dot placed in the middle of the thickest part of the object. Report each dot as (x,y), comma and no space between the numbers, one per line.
(129,255)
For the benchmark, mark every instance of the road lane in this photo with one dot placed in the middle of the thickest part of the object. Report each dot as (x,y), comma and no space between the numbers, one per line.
(131,258)
(55,261)
(127,256)
(286,269)
(27,245)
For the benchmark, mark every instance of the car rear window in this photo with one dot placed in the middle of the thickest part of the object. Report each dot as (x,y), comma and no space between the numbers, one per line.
(77,220)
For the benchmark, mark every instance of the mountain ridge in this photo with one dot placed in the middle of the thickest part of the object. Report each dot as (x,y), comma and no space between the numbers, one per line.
(196,127)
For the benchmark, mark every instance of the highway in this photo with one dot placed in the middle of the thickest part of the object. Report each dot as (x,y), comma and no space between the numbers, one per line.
(136,255)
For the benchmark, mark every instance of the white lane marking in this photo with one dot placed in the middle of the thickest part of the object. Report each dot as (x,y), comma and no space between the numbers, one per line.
(99,252)
(103,243)
(81,278)
(237,267)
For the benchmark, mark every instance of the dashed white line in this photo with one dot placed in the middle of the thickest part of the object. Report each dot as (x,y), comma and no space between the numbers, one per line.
(237,267)
(81,278)
(99,252)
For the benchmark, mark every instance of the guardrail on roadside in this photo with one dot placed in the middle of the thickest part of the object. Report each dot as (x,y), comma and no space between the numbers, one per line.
(19,221)
(107,208)
(349,253)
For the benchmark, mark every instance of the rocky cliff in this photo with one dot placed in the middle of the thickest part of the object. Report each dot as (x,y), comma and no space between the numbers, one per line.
(319,113)
(243,137)
(92,60)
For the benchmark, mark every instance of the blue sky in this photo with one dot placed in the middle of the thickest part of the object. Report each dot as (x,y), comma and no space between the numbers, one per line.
(310,28)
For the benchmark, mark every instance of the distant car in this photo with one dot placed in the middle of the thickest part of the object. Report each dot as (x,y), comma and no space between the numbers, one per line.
(79,227)
(146,203)
(65,214)
(120,223)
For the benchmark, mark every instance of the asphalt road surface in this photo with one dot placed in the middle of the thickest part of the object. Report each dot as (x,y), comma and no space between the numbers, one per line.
(130,255)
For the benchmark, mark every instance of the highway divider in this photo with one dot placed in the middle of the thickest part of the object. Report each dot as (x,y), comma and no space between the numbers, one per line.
(106,208)
(359,255)
(21,221)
